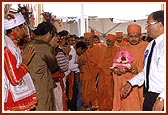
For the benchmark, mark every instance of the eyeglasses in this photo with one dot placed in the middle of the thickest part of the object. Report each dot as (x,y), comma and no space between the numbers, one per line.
(152,23)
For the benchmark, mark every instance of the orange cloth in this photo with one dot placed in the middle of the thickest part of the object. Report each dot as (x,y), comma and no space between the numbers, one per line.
(121,45)
(134,28)
(87,35)
(135,99)
(88,78)
(71,83)
(125,40)
(97,34)
(105,85)
(119,33)
(111,37)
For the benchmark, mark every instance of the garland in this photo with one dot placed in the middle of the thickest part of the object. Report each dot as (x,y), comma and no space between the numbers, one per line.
(48,17)
(25,12)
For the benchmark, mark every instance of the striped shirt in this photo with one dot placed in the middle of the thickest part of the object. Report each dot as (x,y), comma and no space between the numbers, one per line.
(62,61)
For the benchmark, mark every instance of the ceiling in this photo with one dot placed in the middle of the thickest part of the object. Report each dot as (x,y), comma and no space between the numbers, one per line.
(122,11)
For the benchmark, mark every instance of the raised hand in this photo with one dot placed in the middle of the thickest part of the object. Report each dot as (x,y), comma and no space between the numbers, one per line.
(54,42)
(28,55)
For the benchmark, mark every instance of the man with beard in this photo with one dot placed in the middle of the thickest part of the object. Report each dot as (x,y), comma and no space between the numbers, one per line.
(120,42)
(19,90)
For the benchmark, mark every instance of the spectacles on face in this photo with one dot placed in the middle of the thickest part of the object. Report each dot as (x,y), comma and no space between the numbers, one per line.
(152,23)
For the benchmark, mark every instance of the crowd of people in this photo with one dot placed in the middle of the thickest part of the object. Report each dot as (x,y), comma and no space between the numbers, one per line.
(60,71)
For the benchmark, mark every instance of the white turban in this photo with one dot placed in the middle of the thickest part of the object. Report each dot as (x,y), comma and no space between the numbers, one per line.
(18,20)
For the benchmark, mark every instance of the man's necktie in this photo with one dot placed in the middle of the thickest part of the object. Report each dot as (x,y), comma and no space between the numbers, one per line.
(148,65)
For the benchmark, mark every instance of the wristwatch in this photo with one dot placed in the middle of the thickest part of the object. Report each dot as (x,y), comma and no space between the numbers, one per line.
(160,98)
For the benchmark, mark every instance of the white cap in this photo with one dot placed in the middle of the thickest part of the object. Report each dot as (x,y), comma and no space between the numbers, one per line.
(18,20)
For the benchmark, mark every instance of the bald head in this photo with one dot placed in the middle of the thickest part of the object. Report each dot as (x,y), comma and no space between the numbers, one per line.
(134,28)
